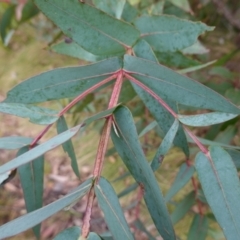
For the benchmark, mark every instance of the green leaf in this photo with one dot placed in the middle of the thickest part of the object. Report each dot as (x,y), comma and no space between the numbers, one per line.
(183,207)
(39,150)
(206,119)
(35,114)
(129,149)
(68,146)
(6,21)
(233,95)
(129,12)
(91,28)
(183,4)
(168,33)
(72,233)
(29,11)
(112,7)
(31,177)
(143,50)
(175,59)
(93,236)
(184,175)
(127,190)
(196,48)
(14,142)
(220,183)
(138,224)
(235,155)
(196,68)
(171,85)
(199,228)
(108,202)
(164,119)
(165,145)
(74,50)
(32,219)
(62,82)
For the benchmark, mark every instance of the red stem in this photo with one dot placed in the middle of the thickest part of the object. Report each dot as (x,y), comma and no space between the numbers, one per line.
(102,148)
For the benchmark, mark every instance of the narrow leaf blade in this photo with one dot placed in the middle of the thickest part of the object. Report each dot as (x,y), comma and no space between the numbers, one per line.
(72,233)
(220,183)
(14,142)
(62,82)
(108,202)
(184,175)
(31,177)
(68,146)
(128,147)
(170,85)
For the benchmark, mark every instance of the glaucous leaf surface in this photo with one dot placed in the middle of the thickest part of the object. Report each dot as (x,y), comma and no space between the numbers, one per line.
(167,33)
(31,219)
(14,142)
(129,149)
(205,119)
(219,179)
(184,175)
(31,178)
(68,146)
(72,233)
(92,29)
(108,202)
(171,85)
(38,115)
(62,82)
(199,228)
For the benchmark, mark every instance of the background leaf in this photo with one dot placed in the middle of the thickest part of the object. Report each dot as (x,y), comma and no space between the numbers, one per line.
(91,28)
(128,147)
(199,228)
(184,175)
(168,33)
(68,146)
(72,233)
(31,219)
(35,114)
(62,82)
(108,202)
(31,177)
(220,183)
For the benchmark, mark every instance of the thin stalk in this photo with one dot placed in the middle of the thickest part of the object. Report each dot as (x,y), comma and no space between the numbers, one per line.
(102,148)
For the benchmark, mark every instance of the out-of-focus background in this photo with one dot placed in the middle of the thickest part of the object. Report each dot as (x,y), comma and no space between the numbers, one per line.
(25,51)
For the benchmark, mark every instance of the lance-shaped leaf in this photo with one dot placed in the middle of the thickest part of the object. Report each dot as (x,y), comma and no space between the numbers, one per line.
(91,28)
(168,33)
(31,177)
(170,85)
(183,207)
(199,228)
(112,7)
(68,146)
(220,183)
(140,225)
(165,145)
(184,175)
(35,114)
(129,149)
(33,218)
(72,49)
(108,202)
(39,150)
(206,119)
(163,117)
(62,82)
(14,142)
